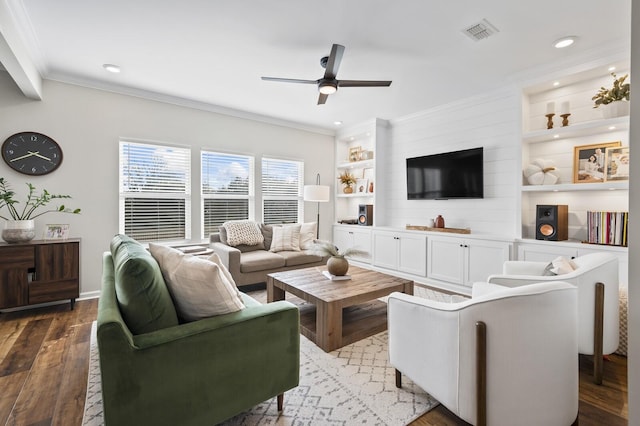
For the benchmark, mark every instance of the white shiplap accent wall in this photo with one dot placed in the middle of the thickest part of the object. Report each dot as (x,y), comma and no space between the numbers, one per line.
(492,121)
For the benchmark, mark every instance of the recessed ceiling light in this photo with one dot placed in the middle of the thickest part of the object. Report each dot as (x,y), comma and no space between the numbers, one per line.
(338,123)
(612,127)
(556,136)
(612,68)
(111,68)
(564,42)
(556,83)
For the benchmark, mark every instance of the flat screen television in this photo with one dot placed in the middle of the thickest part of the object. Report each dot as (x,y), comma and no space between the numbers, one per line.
(457,174)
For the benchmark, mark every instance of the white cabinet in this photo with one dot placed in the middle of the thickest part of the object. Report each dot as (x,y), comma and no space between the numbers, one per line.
(464,260)
(545,253)
(353,236)
(401,251)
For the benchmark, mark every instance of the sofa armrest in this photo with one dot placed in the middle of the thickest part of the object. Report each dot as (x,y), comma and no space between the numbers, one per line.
(230,257)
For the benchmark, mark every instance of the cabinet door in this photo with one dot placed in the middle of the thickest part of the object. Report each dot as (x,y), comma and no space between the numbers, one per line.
(15,264)
(385,249)
(361,239)
(544,252)
(341,238)
(445,259)
(485,258)
(412,254)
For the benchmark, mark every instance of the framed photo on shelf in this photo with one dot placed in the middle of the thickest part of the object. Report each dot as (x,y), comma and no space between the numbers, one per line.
(362,185)
(617,160)
(368,174)
(354,153)
(589,165)
(56,231)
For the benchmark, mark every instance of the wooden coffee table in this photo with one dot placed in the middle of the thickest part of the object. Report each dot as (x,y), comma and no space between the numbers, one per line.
(339,312)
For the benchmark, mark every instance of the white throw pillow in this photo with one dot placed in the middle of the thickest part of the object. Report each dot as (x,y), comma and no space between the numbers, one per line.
(307,235)
(243,232)
(562,266)
(199,287)
(285,238)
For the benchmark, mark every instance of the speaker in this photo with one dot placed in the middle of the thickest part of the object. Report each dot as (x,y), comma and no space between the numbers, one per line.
(552,222)
(365,214)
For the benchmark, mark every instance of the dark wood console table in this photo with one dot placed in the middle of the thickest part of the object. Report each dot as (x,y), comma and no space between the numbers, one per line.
(39,271)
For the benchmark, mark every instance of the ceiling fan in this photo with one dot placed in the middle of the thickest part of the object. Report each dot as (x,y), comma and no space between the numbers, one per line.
(328,84)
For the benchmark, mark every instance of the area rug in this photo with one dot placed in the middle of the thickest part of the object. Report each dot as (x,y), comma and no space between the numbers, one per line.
(351,385)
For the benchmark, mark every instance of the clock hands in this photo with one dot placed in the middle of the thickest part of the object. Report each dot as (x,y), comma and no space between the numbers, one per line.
(31,154)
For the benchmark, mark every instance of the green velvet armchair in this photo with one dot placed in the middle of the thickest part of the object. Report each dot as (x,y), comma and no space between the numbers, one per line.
(196,373)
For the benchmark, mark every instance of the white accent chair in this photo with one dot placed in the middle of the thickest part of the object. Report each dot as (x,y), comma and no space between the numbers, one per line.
(598,304)
(506,356)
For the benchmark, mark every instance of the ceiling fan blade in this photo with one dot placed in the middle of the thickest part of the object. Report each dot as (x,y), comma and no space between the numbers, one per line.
(290,80)
(333,63)
(322,98)
(363,83)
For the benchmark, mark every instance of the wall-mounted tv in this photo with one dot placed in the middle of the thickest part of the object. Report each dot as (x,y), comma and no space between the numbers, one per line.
(457,174)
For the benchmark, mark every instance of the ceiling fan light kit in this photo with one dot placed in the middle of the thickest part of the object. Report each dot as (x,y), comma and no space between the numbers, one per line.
(328,84)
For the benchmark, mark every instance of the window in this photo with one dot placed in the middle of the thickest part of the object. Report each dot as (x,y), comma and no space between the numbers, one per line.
(155,195)
(282,191)
(227,189)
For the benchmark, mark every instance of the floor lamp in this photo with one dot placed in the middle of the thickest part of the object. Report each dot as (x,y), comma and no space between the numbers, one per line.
(319,194)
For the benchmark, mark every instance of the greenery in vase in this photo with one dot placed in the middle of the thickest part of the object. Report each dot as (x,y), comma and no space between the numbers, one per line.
(325,248)
(619,92)
(33,206)
(347,179)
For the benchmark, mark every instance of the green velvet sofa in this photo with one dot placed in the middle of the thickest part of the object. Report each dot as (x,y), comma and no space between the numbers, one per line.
(197,373)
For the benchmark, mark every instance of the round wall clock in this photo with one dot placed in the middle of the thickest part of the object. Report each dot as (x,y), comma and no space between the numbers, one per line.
(32,153)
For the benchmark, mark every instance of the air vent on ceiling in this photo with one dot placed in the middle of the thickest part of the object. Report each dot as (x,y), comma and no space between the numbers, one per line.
(480,31)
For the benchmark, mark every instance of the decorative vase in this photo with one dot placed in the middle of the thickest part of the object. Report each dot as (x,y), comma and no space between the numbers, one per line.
(337,265)
(615,109)
(348,189)
(19,231)
(439,222)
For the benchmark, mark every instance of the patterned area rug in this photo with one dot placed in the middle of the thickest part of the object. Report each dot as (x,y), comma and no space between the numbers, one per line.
(354,384)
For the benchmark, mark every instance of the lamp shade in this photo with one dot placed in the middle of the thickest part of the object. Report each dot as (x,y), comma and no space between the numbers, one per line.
(317,193)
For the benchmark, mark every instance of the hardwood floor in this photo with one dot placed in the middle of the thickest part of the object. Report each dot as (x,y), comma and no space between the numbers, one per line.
(44,355)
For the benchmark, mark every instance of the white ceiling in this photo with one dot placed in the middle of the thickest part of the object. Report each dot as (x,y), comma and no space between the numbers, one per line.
(214,52)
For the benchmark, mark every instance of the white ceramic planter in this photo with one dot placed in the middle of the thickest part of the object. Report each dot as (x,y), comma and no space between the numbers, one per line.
(19,231)
(615,109)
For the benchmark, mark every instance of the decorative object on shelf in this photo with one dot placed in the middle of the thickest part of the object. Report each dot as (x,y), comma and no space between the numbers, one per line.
(432,229)
(32,153)
(370,189)
(347,179)
(20,227)
(319,194)
(367,173)
(551,111)
(431,223)
(354,153)
(366,155)
(617,160)
(589,162)
(618,93)
(439,222)
(56,232)
(564,113)
(540,172)
(337,263)
(362,186)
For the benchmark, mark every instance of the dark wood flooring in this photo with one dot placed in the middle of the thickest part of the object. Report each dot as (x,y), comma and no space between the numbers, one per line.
(44,355)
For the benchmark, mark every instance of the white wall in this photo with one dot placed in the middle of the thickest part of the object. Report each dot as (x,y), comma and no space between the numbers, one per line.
(491,121)
(88,125)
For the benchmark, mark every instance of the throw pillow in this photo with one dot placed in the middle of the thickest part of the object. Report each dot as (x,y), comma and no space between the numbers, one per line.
(216,259)
(242,247)
(562,266)
(548,270)
(243,232)
(285,238)
(267,233)
(199,287)
(307,235)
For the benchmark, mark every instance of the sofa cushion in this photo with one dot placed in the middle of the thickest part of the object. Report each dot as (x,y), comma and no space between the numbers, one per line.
(267,233)
(294,258)
(308,233)
(243,232)
(242,247)
(199,287)
(286,238)
(143,297)
(260,261)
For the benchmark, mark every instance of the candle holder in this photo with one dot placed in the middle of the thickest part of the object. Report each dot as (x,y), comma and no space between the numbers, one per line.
(549,120)
(565,119)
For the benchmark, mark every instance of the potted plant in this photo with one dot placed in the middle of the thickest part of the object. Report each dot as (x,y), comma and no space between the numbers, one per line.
(20,226)
(347,179)
(617,97)
(337,264)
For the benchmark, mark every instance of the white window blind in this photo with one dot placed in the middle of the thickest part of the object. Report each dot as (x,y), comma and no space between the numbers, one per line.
(227,189)
(282,182)
(155,191)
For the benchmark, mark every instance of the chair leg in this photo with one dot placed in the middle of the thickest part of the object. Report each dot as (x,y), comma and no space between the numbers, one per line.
(398,379)
(598,334)
(280,399)
(481,373)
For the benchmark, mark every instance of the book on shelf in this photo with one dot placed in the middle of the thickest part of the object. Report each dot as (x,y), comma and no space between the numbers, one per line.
(608,228)
(336,277)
